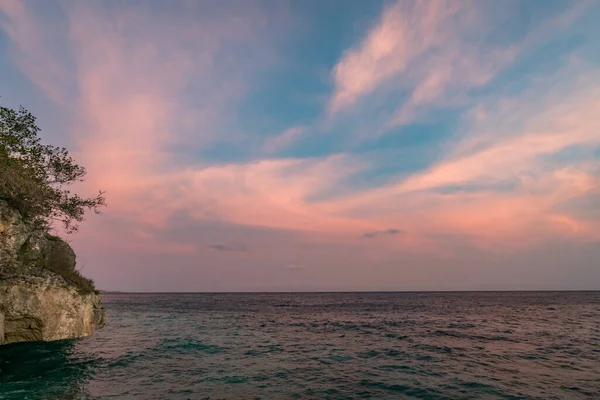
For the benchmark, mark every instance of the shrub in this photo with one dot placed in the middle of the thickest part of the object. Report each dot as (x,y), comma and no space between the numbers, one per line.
(59,259)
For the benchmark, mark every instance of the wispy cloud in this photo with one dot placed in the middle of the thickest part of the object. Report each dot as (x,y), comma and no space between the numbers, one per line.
(544,122)
(507,153)
(133,69)
(148,94)
(235,247)
(421,56)
(391,231)
(427,44)
(34,49)
(285,139)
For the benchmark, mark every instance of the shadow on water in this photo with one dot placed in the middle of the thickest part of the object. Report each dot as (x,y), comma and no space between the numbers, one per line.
(47,371)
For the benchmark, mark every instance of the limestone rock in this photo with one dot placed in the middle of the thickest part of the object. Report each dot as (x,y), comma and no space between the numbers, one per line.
(34,308)
(42,297)
(13,234)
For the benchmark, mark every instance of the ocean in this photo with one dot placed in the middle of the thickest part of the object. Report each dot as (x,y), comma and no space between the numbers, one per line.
(472,345)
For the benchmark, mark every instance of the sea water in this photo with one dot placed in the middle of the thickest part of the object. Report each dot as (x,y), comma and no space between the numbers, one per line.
(502,345)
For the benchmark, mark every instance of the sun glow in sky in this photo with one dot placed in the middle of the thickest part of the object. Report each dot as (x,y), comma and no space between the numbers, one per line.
(322,145)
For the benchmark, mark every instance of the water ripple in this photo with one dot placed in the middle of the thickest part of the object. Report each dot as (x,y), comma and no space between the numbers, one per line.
(322,346)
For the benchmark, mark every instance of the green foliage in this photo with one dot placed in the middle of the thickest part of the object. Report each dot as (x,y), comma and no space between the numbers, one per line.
(56,256)
(58,260)
(34,177)
(53,238)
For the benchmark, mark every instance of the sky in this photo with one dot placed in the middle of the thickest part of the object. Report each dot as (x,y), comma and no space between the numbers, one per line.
(321,145)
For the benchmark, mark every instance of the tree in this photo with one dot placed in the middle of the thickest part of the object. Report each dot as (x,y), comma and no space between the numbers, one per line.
(34,177)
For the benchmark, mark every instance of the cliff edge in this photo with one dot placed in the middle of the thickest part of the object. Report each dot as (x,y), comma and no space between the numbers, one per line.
(42,295)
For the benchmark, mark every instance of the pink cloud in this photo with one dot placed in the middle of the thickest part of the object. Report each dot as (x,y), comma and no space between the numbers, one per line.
(503,153)
(285,139)
(132,69)
(131,75)
(272,193)
(403,33)
(435,52)
(32,43)
(489,152)
(423,42)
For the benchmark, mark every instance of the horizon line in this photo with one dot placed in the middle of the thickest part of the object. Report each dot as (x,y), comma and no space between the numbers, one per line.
(360,291)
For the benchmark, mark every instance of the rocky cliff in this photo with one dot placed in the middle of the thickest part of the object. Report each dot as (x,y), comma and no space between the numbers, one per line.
(42,295)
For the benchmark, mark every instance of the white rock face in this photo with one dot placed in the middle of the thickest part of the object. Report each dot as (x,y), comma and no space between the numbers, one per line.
(13,234)
(37,304)
(37,308)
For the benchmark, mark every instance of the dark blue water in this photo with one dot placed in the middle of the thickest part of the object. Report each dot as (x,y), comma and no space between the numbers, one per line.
(322,346)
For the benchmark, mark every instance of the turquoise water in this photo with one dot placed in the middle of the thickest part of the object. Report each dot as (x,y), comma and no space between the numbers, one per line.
(322,346)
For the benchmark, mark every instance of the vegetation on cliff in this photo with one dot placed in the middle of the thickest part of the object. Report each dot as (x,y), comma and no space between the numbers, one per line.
(34,177)
(49,252)
(35,180)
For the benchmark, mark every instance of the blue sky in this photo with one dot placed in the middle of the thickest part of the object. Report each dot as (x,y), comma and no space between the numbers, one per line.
(340,145)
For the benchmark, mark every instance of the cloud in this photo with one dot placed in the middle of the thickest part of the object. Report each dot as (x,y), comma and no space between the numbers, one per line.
(427,42)
(228,247)
(147,93)
(489,153)
(284,140)
(130,123)
(423,56)
(270,193)
(507,153)
(391,231)
(34,49)
(131,120)
(138,73)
